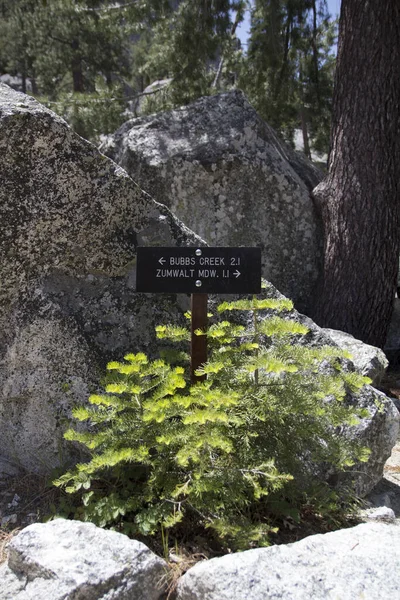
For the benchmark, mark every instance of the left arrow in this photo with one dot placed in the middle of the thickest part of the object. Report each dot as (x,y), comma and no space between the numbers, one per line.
(161,260)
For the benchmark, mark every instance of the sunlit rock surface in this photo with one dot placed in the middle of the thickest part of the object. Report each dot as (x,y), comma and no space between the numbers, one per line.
(64,560)
(225,173)
(360,562)
(70,222)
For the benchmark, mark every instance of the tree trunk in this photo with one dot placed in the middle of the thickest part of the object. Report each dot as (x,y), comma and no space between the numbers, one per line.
(23,78)
(359,199)
(76,68)
(315,53)
(304,130)
(35,90)
(303,117)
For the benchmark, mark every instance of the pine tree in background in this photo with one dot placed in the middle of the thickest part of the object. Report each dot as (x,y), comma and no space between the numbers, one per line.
(190,45)
(16,39)
(288,74)
(74,54)
(75,42)
(75,46)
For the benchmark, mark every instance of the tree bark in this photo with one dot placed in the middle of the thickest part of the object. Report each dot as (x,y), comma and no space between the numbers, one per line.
(315,52)
(304,130)
(76,68)
(303,117)
(359,199)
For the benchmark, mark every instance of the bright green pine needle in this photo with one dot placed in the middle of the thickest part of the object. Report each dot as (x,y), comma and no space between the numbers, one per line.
(232,447)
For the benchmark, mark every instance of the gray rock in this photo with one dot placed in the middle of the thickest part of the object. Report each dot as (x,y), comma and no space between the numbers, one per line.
(64,560)
(377,500)
(70,222)
(14,502)
(8,520)
(225,173)
(361,562)
(383,513)
(378,431)
(368,360)
(7,469)
(15,82)
(139,104)
(396,402)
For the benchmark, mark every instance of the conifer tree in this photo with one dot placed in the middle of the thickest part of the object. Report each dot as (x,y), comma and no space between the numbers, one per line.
(75,41)
(16,39)
(229,453)
(187,45)
(289,70)
(68,46)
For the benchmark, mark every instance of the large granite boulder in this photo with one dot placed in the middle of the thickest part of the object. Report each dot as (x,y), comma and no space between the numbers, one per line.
(225,173)
(70,222)
(68,559)
(65,560)
(360,562)
(379,430)
(368,360)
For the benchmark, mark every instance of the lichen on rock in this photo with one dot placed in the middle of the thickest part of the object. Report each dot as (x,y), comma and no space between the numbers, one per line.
(71,220)
(227,175)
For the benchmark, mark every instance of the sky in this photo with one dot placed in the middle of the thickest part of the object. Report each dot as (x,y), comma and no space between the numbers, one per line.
(243,30)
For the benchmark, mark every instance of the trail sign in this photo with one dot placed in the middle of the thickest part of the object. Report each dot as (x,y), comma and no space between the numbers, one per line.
(200,270)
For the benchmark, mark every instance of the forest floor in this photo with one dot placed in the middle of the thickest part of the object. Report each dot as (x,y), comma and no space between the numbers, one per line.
(29,499)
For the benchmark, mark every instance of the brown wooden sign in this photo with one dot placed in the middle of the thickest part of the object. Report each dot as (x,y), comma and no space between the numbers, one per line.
(218,270)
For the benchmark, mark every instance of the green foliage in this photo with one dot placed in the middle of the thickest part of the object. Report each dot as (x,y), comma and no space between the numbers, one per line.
(189,45)
(16,52)
(288,74)
(230,452)
(62,44)
(91,115)
(69,46)
(74,42)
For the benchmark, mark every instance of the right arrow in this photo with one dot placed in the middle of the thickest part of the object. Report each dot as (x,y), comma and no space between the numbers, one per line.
(237,273)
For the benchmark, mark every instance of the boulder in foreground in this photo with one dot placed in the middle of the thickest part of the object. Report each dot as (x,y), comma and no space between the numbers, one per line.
(72,560)
(361,562)
(70,222)
(224,171)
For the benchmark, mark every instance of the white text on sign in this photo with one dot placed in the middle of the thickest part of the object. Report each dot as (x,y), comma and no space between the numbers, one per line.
(200,270)
(208,261)
(191,273)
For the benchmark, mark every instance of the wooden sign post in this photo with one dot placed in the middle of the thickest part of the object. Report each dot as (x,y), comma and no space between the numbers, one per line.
(198,271)
(198,343)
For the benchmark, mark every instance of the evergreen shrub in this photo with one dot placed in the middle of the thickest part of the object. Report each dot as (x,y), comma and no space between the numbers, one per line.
(229,453)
